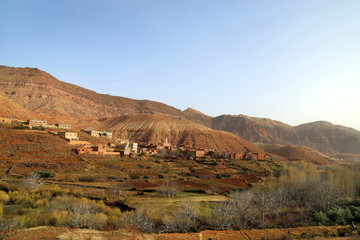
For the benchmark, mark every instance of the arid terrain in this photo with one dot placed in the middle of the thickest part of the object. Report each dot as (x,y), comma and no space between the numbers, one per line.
(41,93)
(138,169)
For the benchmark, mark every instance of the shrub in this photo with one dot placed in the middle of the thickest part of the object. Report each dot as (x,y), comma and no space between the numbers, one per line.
(1,210)
(344,231)
(21,126)
(337,215)
(17,197)
(45,174)
(41,128)
(321,218)
(4,186)
(46,194)
(134,177)
(4,198)
(40,203)
(161,176)
(86,179)
(195,191)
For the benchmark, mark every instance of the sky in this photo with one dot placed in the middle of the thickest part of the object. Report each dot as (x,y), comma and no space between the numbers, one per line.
(291,61)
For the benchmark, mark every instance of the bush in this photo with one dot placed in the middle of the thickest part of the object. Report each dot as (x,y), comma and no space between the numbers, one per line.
(344,231)
(1,210)
(40,203)
(21,126)
(134,177)
(86,179)
(4,198)
(45,174)
(195,191)
(321,218)
(41,128)
(17,197)
(4,186)
(337,215)
(161,176)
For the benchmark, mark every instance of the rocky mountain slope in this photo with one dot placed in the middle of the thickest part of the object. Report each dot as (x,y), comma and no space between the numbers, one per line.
(322,136)
(292,152)
(154,129)
(9,108)
(42,93)
(256,129)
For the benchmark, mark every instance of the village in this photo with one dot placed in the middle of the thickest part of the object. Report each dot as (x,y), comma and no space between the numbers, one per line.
(124,147)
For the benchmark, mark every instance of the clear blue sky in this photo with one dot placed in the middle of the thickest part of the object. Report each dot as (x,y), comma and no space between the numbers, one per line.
(293,61)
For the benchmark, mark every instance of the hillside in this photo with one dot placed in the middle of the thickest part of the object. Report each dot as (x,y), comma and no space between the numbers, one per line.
(58,101)
(292,152)
(325,136)
(9,108)
(153,128)
(38,91)
(255,129)
(322,136)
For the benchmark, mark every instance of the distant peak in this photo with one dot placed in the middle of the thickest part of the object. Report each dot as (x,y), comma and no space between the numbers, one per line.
(191,110)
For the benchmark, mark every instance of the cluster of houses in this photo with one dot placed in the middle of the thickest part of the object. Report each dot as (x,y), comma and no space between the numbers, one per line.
(132,149)
(163,149)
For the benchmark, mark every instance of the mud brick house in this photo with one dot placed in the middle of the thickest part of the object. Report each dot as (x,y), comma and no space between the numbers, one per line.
(91,132)
(32,122)
(259,156)
(125,153)
(7,120)
(99,148)
(234,155)
(69,135)
(97,133)
(83,150)
(64,126)
(193,152)
(105,134)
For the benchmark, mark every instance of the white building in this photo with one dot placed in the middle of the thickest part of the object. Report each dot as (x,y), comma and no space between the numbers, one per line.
(69,135)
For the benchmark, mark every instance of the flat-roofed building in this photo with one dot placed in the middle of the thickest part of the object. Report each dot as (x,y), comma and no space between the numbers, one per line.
(69,135)
(33,122)
(7,120)
(62,125)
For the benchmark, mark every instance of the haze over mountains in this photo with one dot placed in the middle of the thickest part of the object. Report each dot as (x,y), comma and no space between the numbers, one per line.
(38,92)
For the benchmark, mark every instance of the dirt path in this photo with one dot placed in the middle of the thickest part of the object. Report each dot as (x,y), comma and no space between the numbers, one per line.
(49,233)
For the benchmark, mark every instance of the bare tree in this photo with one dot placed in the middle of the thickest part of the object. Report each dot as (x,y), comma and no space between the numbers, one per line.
(116,193)
(138,221)
(183,219)
(169,189)
(33,182)
(223,216)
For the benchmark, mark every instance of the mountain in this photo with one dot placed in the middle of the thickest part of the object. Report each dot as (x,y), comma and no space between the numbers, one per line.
(9,108)
(58,101)
(292,152)
(154,128)
(40,92)
(326,136)
(197,117)
(255,129)
(322,136)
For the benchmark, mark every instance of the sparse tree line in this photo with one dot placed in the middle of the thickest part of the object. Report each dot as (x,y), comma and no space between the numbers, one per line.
(299,195)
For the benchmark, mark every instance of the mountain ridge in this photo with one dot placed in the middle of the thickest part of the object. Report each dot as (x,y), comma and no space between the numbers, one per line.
(43,94)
